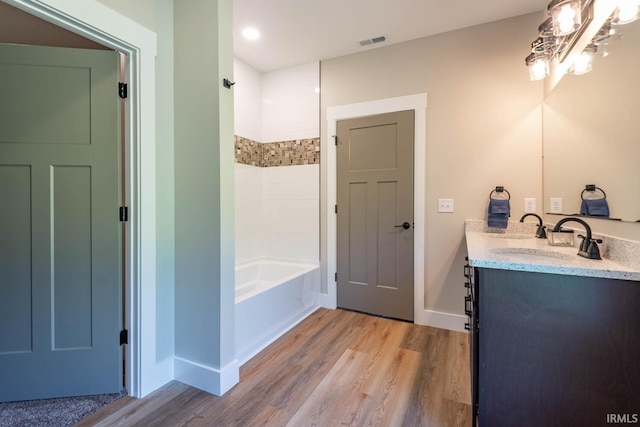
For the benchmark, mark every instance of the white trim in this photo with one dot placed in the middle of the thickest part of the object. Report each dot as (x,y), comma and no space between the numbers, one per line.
(418,103)
(214,381)
(93,20)
(438,319)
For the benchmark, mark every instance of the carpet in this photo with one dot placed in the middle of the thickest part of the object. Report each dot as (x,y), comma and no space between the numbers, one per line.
(61,412)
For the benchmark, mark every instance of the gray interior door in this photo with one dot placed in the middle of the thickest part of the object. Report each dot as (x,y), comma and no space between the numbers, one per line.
(60,296)
(375,199)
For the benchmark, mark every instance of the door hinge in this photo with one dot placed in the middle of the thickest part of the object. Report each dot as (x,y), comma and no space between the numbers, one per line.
(124,337)
(336,208)
(336,276)
(124,213)
(335,139)
(122,90)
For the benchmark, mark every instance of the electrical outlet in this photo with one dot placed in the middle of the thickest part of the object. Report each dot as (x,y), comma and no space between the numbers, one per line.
(555,205)
(529,205)
(445,205)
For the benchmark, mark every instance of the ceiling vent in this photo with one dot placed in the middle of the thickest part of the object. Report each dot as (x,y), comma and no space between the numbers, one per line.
(373,40)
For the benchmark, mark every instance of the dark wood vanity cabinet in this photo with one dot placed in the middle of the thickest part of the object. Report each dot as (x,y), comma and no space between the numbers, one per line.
(554,350)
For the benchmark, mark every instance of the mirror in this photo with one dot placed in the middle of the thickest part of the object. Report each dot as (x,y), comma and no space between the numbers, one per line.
(591,133)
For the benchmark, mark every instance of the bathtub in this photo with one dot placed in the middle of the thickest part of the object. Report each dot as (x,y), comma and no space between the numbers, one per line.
(272,297)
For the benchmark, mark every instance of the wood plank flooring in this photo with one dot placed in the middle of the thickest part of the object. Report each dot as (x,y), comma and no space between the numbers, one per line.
(336,368)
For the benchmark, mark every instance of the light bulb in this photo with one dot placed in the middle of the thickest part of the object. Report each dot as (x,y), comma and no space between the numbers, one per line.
(566,16)
(538,67)
(582,63)
(627,11)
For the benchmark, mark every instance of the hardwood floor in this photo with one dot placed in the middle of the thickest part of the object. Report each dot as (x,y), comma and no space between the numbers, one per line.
(335,368)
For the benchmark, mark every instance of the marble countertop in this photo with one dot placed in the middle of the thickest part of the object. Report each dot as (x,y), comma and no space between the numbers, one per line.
(518,249)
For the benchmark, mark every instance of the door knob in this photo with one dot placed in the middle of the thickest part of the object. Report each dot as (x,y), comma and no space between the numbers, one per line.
(404,225)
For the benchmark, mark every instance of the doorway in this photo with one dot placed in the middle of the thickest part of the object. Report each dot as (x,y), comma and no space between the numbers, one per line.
(375,214)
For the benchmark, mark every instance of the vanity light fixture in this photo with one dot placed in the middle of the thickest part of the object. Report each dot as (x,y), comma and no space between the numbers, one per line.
(627,11)
(566,16)
(555,34)
(565,29)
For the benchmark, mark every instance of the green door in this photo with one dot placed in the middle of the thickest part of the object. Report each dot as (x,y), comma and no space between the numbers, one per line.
(60,295)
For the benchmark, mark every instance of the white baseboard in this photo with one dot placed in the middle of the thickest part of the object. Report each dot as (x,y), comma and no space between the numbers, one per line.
(435,319)
(438,319)
(214,381)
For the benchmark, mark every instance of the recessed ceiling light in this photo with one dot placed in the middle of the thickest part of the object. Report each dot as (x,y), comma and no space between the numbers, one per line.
(317,90)
(251,34)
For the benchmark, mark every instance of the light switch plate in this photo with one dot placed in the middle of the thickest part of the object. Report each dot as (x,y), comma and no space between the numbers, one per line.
(529,205)
(445,205)
(555,205)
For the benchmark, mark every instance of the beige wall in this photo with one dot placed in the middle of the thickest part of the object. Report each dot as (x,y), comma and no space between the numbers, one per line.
(483,129)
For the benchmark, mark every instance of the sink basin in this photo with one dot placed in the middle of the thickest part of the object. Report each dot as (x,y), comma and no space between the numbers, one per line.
(508,236)
(531,253)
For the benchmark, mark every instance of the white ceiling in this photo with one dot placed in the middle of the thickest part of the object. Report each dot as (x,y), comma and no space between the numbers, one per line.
(300,31)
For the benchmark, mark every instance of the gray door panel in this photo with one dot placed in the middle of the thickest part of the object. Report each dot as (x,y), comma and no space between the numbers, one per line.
(60,295)
(375,194)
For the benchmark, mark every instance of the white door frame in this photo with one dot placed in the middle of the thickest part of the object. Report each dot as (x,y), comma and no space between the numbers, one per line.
(418,103)
(94,21)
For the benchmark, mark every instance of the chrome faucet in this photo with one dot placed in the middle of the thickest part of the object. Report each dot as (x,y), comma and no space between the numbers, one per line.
(589,246)
(540,232)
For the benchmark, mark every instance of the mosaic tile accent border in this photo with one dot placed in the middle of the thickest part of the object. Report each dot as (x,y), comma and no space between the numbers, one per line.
(248,152)
(281,153)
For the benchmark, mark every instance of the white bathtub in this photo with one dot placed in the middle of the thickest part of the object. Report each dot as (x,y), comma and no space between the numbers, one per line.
(271,298)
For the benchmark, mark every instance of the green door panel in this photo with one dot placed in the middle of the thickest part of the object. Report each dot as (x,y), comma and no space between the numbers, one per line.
(60,292)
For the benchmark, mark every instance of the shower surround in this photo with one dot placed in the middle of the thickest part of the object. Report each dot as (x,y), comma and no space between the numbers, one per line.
(277,201)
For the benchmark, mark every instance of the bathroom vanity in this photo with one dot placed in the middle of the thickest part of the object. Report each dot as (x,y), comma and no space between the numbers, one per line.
(555,337)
